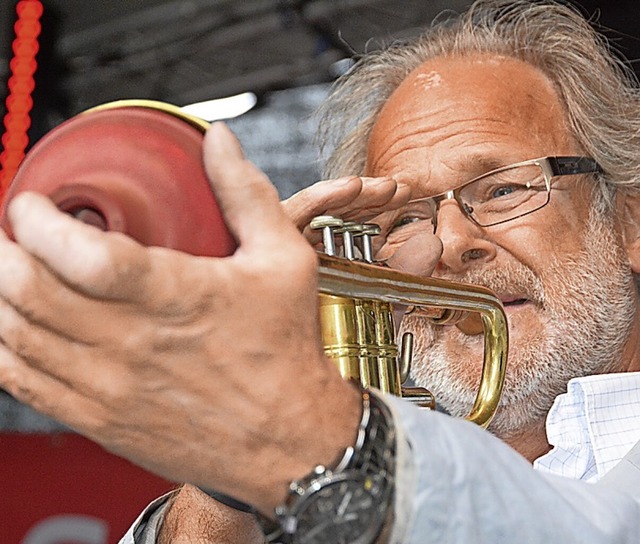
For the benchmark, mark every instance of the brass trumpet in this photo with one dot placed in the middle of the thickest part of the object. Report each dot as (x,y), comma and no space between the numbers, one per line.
(356,317)
(114,166)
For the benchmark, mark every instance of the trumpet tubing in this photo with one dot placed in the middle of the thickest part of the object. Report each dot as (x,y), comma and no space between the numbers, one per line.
(358,336)
(355,294)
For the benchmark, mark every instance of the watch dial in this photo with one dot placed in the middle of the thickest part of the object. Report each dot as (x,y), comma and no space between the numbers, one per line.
(343,512)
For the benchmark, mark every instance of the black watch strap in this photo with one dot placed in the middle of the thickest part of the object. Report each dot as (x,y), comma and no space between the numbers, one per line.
(228,501)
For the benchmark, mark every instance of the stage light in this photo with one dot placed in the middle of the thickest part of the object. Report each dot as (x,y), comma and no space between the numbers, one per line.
(21,84)
(222,108)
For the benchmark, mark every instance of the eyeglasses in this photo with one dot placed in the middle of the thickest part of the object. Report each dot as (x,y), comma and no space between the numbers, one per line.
(501,195)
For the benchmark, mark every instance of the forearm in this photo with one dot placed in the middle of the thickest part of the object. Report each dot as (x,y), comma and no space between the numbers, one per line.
(193,517)
(456,483)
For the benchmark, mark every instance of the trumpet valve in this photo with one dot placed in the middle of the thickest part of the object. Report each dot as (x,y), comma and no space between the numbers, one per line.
(328,225)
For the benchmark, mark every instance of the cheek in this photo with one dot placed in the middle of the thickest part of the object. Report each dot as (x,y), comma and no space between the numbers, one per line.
(543,238)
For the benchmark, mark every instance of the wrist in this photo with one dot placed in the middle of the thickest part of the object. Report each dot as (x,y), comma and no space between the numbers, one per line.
(328,427)
(349,500)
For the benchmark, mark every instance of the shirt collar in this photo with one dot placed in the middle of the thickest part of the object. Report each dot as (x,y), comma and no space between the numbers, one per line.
(592,426)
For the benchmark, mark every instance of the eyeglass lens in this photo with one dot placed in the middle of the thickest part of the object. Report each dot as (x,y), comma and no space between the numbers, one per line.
(497,197)
(504,195)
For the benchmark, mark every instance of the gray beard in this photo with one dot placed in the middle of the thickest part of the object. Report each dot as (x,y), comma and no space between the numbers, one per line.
(586,305)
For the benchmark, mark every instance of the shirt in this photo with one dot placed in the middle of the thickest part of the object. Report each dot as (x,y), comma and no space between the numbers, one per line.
(592,426)
(456,483)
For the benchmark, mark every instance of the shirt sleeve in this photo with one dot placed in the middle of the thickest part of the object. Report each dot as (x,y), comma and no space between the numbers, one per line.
(456,483)
(145,529)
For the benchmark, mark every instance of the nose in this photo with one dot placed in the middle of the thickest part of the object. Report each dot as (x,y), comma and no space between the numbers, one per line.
(464,243)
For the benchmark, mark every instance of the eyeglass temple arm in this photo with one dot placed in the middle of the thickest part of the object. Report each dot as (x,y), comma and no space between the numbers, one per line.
(566,166)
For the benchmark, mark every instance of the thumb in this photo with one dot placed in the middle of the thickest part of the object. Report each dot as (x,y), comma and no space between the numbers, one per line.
(249,201)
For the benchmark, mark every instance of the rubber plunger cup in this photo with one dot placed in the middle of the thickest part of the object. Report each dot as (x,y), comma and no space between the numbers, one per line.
(133,167)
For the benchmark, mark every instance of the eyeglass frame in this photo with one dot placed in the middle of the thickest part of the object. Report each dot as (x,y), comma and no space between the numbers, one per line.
(551,166)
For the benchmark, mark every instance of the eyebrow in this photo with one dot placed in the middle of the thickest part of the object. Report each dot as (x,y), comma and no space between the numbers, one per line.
(477,164)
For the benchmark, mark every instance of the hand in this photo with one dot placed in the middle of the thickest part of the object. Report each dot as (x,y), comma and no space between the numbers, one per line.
(349,198)
(364,199)
(202,370)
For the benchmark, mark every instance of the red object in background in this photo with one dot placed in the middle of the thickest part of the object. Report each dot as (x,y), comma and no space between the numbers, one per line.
(137,171)
(64,489)
(21,84)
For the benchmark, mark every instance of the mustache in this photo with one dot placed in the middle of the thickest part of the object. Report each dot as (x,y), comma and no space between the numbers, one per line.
(513,279)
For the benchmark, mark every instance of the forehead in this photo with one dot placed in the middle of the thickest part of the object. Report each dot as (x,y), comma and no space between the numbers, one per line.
(458,117)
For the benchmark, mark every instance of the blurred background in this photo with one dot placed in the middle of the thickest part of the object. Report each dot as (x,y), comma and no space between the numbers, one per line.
(281,56)
(188,51)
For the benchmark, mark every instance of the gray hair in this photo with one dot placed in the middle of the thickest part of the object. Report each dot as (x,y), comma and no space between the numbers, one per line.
(601,95)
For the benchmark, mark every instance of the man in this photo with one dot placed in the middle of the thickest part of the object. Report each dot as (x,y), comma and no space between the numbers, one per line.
(499,130)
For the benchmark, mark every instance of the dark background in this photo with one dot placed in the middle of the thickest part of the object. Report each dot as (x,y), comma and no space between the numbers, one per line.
(183,51)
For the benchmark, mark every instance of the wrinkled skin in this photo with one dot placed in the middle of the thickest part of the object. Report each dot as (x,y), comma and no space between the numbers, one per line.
(151,353)
(419,142)
(114,339)
(451,120)
(195,518)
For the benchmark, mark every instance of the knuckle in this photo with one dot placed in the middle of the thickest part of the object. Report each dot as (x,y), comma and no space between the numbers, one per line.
(112,266)
(16,334)
(11,379)
(24,345)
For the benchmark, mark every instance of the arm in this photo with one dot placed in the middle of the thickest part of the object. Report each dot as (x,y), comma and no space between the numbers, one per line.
(457,483)
(193,517)
(190,516)
(116,340)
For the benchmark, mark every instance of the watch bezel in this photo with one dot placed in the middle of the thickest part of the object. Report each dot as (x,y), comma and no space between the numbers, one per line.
(368,520)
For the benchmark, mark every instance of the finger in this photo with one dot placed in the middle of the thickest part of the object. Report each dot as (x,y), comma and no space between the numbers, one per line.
(45,394)
(82,256)
(249,202)
(349,197)
(377,195)
(36,295)
(320,197)
(90,263)
(69,361)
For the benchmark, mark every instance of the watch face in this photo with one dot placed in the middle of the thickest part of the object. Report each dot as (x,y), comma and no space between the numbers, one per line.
(341,512)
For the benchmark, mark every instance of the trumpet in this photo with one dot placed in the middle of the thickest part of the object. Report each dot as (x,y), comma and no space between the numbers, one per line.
(134,166)
(356,300)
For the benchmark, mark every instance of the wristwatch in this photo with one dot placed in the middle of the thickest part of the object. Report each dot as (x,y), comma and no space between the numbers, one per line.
(349,502)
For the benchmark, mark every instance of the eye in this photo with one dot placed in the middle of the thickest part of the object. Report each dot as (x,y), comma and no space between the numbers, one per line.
(416,214)
(503,190)
(404,221)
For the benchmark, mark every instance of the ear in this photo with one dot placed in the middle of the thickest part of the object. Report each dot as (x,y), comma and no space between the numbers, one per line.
(628,205)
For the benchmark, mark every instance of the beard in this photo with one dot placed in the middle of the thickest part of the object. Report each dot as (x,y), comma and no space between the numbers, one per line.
(583,306)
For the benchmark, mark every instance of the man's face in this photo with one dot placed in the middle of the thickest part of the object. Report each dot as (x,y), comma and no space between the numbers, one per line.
(561,272)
